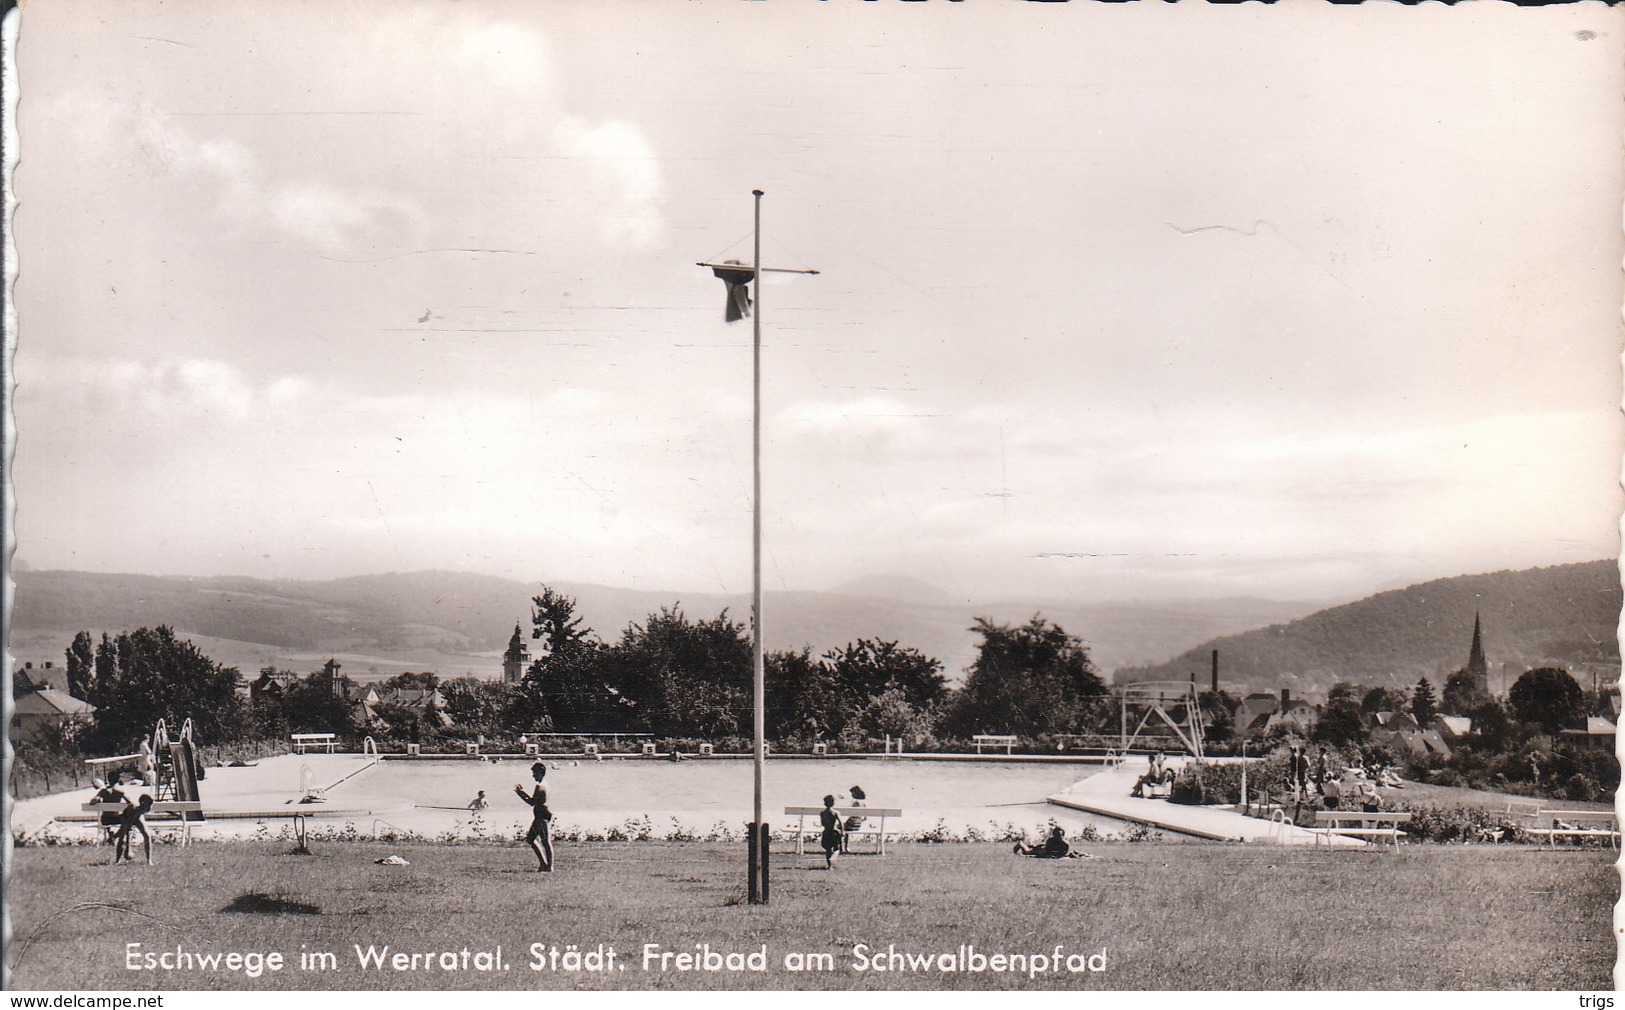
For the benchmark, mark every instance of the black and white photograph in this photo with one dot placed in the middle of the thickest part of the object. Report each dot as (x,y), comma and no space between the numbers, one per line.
(802,496)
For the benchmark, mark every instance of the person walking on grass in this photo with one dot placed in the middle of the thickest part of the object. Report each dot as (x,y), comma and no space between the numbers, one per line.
(830,837)
(540,837)
(133,817)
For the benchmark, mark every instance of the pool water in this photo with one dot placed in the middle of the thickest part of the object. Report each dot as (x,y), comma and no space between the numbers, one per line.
(699,794)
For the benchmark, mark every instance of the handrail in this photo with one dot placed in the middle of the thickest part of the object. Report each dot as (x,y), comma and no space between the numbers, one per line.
(379,820)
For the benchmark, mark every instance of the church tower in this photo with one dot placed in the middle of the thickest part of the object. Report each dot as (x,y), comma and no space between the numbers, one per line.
(516,658)
(1477,668)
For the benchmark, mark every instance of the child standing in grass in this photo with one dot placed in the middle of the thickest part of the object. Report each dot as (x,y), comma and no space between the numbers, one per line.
(539,838)
(133,817)
(830,837)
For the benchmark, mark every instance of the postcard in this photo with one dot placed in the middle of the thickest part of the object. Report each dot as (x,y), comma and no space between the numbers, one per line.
(1014,496)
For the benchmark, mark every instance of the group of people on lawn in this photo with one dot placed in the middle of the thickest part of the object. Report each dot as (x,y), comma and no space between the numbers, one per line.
(1354,789)
(1309,781)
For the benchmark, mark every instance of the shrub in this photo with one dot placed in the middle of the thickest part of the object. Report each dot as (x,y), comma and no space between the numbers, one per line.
(1188,787)
(1464,825)
(937,833)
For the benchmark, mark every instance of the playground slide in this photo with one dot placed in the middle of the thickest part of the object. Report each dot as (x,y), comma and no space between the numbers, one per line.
(183,758)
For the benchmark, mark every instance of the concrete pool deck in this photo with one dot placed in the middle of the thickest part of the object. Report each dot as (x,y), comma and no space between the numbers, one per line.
(1107,794)
(267,789)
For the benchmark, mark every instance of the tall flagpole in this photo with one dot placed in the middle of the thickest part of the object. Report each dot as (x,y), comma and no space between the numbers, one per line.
(733,274)
(758,661)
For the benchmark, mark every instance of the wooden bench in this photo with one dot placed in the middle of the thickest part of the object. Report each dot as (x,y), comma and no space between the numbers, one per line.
(869,815)
(1577,824)
(303,742)
(172,808)
(1005,740)
(1364,824)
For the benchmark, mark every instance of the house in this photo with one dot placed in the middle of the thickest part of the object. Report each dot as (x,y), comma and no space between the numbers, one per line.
(1293,715)
(1598,734)
(271,686)
(426,702)
(45,675)
(1451,726)
(1402,734)
(36,715)
(1254,712)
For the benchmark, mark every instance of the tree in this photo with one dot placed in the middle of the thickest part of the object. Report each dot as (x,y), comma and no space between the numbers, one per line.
(556,624)
(410,681)
(804,701)
(1548,697)
(1219,711)
(81,657)
(475,705)
(1462,694)
(563,688)
(157,675)
(1341,721)
(867,669)
(1491,728)
(106,671)
(1028,679)
(891,714)
(682,678)
(1383,699)
(318,703)
(1423,707)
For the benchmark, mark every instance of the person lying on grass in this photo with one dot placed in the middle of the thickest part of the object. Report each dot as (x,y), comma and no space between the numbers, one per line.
(132,817)
(1053,847)
(539,838)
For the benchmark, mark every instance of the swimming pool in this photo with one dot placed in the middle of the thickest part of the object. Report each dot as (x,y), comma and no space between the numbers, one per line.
(431,796)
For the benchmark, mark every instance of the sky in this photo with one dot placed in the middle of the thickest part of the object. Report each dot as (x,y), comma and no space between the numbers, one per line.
(1115,301)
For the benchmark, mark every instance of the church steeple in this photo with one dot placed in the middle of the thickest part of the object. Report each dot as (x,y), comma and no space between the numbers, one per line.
(1477,668)
(515,658)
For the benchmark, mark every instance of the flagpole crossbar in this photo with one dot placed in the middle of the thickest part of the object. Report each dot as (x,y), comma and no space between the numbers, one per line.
(747,268)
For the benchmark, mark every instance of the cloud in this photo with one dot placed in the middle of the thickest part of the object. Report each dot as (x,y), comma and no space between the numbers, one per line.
(505,54)
(864,416)
(321,214)
(628,187)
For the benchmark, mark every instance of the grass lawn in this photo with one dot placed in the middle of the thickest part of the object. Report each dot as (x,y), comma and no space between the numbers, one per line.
(1422,793)
(1182,916)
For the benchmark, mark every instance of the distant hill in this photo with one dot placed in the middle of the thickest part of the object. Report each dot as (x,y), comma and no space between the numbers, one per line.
(1563,616)
(457,623)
